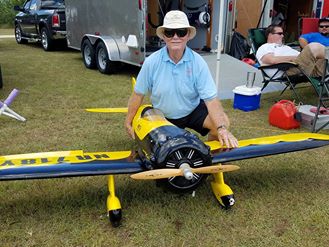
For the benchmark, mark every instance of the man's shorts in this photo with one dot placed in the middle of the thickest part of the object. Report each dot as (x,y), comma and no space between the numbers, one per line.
(194,120)
(308,63)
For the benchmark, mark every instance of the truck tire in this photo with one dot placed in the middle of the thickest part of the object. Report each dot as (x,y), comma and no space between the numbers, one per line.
(104,64)
(46,42)
(88,54)
(18,35)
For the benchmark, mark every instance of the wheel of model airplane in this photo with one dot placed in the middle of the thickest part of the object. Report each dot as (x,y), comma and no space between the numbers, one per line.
(227,201)
(115,217)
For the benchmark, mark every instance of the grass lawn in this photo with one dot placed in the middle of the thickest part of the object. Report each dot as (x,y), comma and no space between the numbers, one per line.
(7,31)
(282,200)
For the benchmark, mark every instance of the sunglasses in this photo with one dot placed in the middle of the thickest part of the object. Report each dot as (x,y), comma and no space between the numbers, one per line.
(278,33)
(181,32)
(323,26)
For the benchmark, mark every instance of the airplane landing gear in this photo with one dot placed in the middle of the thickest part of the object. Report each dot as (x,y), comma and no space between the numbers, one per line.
(222,191)
(113,204)
(227,201)
(115,217)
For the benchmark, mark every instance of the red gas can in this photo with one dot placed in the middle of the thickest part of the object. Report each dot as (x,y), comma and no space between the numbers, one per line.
(282,114)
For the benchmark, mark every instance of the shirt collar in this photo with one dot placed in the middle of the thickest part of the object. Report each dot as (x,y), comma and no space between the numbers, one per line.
(186,56)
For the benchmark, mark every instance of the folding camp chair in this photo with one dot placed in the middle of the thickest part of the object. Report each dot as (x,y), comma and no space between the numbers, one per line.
(256,37)
(323,100)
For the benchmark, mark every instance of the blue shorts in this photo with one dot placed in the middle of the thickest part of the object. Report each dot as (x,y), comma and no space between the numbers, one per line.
(194,120)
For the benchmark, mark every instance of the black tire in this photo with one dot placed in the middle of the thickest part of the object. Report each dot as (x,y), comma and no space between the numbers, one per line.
(88,54)
(104,64)
(46,41)
(115,217)
(18,35)
(227,202)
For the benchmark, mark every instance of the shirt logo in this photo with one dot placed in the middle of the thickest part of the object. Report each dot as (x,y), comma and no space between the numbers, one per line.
(189,72)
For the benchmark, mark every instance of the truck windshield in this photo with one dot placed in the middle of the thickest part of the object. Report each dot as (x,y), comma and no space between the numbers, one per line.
(52,3)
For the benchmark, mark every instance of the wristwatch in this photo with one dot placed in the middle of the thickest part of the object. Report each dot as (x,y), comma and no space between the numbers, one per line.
(223,126)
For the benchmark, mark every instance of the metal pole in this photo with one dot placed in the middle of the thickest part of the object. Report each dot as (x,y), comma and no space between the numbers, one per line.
(219,40)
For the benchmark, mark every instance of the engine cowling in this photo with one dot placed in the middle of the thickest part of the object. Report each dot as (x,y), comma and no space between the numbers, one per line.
(164,145)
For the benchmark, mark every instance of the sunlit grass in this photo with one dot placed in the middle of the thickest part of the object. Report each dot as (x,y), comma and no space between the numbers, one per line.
(7,31)
(281,200)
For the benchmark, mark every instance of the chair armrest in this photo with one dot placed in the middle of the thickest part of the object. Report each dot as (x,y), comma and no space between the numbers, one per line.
(280,66)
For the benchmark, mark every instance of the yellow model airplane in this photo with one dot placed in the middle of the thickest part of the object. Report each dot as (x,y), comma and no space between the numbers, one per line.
(178,158)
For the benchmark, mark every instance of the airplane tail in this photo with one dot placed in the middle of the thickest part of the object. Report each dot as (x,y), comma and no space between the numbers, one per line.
(133,83)
(114,109)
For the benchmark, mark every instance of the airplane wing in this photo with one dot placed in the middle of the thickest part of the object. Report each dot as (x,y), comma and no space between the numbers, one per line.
(266,146)
(67,164)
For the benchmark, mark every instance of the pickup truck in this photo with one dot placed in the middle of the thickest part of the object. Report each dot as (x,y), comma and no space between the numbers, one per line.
(41,20)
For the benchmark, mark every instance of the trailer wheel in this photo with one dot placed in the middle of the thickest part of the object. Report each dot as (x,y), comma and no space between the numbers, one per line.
(18,35)
(88,54)
(104,64)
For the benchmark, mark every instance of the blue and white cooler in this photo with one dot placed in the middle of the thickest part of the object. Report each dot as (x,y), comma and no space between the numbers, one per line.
(246,98)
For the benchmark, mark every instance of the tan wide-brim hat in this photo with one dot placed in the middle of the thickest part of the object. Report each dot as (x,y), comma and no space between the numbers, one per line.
(173,20)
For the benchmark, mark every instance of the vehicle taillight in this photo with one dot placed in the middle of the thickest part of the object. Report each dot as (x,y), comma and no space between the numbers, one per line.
(55,20)
(140,4)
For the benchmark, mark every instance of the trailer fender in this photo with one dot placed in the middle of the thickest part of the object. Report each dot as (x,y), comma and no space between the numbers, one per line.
(111,45)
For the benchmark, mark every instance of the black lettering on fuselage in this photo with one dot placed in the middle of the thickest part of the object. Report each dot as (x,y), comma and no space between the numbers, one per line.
(44,160)
(7,163)
(62,160)
(59,160)
(85,157)
(28,162)
(99,156)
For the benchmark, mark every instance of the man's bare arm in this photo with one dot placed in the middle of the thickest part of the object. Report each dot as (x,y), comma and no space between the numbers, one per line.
(217,122)
(271,59)
(133,104)
(216,113)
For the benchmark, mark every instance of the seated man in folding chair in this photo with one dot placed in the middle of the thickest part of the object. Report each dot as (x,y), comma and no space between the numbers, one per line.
(322,36)
(310,60)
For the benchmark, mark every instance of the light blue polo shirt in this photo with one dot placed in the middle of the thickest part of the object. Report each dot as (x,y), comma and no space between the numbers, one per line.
(176,89)
(316,37)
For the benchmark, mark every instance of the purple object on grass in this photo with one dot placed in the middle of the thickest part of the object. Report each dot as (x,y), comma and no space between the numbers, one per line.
(1,104)
(11,97)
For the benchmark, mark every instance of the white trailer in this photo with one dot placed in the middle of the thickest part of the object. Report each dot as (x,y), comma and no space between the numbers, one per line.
(112,31)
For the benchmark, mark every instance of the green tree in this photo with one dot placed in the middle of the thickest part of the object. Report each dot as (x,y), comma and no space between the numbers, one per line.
(7,12)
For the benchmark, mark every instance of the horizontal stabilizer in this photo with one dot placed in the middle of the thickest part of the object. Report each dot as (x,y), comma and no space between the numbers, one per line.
(108,110)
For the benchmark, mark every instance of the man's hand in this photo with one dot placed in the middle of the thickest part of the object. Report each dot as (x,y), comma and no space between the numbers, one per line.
(227,138)
(130,130)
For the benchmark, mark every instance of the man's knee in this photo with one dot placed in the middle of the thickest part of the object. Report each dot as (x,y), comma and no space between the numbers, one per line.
(317,49)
